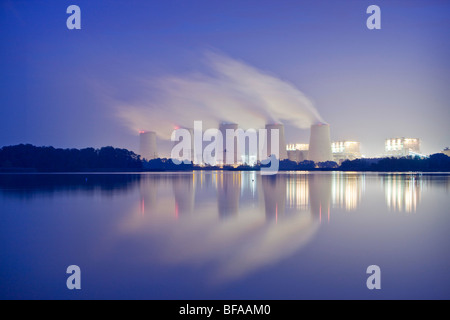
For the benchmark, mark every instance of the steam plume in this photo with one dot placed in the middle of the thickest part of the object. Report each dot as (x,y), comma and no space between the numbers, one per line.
(231,91)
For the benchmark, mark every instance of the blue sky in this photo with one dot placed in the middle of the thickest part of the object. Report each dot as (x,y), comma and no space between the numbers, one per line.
(60,87)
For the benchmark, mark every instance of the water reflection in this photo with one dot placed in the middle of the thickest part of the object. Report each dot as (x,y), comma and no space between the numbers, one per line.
(347,189)
(264,218)
(228,191)
(402,192)
(274,188)
(234,222)
(184,194)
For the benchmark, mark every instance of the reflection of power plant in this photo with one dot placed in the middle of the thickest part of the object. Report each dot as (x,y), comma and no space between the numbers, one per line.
(320,195)
(148,192)
(184,193)
(346,190)
(147,145)
(320,143)
(402,192)
(228,190)
(297,192)
(274,188)
(281,195)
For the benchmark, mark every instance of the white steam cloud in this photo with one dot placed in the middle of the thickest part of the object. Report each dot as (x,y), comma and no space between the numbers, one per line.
(231,91)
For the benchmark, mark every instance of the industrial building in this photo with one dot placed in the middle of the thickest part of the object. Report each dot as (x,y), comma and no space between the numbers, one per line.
(147,145)
(345,150)
(402,147)
(297,152)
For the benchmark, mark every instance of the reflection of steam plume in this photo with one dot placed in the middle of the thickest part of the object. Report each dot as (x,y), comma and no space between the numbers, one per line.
(274,195)
(231,89)
(228,189)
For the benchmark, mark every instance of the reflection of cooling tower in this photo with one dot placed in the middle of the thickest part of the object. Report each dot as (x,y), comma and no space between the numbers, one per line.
(223,128)
(147,146)
(148,190)
(183,191)
(320,143)
(320,195)
(274,188)
(228,190)
(281,142)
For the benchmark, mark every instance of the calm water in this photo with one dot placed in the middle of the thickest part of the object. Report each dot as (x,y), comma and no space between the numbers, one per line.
(225,235)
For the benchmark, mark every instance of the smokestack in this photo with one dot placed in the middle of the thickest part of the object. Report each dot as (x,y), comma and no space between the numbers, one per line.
(147,145)
(320,143)
(281,142)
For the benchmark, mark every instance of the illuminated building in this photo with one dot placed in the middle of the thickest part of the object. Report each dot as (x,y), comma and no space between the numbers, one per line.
(345,150)
(298,146)
(147,145)
(297,152)
(320,143)
(401,147)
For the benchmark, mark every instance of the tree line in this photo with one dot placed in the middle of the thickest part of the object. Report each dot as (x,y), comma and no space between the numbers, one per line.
(49,159)
(26,157)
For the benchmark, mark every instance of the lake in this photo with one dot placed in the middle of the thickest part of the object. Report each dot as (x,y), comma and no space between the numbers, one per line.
(225,235)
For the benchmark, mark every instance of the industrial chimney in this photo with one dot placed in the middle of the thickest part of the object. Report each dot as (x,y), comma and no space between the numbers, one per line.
(320,143)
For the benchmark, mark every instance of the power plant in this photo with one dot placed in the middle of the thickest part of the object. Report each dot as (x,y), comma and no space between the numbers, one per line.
(320,143)
(147,145)
(258,146)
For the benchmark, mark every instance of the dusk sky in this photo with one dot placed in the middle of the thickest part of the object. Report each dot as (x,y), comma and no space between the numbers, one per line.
(79,88)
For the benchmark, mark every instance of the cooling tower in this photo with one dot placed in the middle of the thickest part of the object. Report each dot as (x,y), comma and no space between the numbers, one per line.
(320,143)
(147,145)
(223,128)
(281,142)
